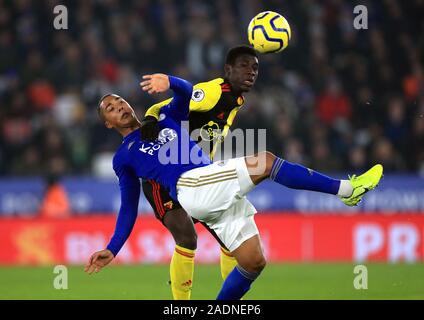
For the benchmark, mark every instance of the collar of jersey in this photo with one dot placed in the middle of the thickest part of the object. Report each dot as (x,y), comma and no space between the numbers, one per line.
(131,135)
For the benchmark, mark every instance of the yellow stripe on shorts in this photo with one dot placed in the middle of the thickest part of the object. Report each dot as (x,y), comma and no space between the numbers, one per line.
(209,178)
(203,183)
(195,181)
(209,175)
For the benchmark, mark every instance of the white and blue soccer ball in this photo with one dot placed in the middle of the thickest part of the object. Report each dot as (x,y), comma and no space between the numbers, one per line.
(269,32)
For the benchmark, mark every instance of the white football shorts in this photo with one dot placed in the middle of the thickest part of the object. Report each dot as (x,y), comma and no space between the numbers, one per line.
(215,194)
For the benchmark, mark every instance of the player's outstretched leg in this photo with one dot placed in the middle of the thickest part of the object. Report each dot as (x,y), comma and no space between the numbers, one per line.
(296,176)
(251,262)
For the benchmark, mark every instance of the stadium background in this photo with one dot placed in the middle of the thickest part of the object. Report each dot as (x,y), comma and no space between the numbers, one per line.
(337,100)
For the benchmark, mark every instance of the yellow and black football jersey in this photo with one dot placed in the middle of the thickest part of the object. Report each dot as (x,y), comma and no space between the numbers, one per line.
(213,107)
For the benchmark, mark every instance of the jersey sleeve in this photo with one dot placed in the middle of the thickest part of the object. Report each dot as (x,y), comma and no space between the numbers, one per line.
(129,185)
(154,110)
(178,108)
(206,95)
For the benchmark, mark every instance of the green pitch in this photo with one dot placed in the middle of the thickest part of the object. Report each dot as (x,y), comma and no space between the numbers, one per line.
(278,281)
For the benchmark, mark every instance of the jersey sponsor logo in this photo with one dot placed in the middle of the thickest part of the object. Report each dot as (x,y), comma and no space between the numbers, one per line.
(209,131)
(165,135)
(198,95)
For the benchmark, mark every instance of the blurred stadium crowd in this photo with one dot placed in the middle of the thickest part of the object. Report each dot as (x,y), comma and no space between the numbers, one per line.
(336,99)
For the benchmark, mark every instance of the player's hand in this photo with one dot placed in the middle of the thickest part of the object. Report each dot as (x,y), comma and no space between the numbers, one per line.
(98,260)
(149,129)
(155,83)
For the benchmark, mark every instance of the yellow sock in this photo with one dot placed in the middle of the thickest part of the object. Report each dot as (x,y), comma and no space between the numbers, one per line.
(228,262)
(181,272)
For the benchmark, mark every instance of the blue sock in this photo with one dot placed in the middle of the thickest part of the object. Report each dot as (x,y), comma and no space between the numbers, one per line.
(298,177)
(237,284)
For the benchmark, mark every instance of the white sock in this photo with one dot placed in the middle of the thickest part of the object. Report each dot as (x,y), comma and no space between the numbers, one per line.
(345,189)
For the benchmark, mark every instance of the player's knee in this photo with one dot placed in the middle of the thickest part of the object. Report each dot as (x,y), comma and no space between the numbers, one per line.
(265,156)
(188,241)
(259,264)
(182,228)
(256,264)
(269,160)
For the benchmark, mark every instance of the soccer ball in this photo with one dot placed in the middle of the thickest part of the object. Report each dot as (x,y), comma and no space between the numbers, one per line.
(269,32)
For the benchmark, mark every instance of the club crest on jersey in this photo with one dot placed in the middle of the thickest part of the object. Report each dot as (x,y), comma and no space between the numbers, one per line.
(198,95)
(166,134)
(168,205)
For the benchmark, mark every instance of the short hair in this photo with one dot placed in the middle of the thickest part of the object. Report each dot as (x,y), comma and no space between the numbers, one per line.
(237,51)
(99,110)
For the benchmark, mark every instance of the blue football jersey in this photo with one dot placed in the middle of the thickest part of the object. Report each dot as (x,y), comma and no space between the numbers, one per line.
(163,160)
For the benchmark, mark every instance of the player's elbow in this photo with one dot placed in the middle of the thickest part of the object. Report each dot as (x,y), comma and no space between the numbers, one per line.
(188,88)
(188,241)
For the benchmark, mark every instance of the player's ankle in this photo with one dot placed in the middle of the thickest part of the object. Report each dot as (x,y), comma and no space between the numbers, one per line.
(345,189)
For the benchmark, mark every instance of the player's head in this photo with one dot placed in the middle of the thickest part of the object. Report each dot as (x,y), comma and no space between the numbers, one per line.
(116,113)
(241,67)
